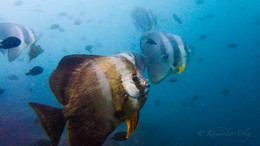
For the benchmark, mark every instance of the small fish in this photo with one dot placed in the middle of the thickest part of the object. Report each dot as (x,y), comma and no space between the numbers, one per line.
(35,71)
(61,29)
(199,2)
(232,45)
(54,26)
(195,97)
(177,19)
(63,14)
(12,77)
(225,91)
(42,142)
(209,16)
(18,3)
(2,91)
(150,41)
(35,50)
(203,37)
(10,42)
(120,136)
(89,48)
(77,22)
(173,80)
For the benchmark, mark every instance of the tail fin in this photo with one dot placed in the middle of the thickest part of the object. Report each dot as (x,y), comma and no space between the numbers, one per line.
(27,74)
(52,121)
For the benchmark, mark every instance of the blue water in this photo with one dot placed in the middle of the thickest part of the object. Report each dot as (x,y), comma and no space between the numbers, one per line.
(170,115)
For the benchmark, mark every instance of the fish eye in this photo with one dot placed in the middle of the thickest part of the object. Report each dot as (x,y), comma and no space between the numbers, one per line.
(135,79)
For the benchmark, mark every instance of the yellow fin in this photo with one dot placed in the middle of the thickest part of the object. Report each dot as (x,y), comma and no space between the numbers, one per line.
(181,69)
(131,123)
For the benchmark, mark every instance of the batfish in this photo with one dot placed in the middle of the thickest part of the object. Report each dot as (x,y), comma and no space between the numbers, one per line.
(143,19)
(167,54)
(98,93)
(26,35)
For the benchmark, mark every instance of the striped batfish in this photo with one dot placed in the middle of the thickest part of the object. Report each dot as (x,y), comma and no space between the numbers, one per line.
(143,19)
(98,94)
(165,53)
(25,34)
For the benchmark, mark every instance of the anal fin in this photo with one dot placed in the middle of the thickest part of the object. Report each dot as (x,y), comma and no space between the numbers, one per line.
(89,131)
(132,123)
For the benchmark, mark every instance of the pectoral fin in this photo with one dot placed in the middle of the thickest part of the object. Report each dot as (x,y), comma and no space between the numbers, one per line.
(181,69)
(131,123)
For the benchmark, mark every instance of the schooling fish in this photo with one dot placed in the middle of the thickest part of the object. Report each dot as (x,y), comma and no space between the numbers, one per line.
(35,50)
(203,37)
(177,19)
(232,45)
(12,77)
(35,71)
(54,26)
(98,94)
(10,42)
(89,48)
(170,55)
(143,19)
(26,35)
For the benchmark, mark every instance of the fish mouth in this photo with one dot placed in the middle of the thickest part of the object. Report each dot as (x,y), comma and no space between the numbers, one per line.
(146,88)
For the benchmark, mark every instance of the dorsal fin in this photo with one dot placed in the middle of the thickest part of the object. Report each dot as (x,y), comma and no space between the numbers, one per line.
(60,77)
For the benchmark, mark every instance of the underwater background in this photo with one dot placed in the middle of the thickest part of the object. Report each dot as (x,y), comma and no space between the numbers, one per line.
(215,101)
